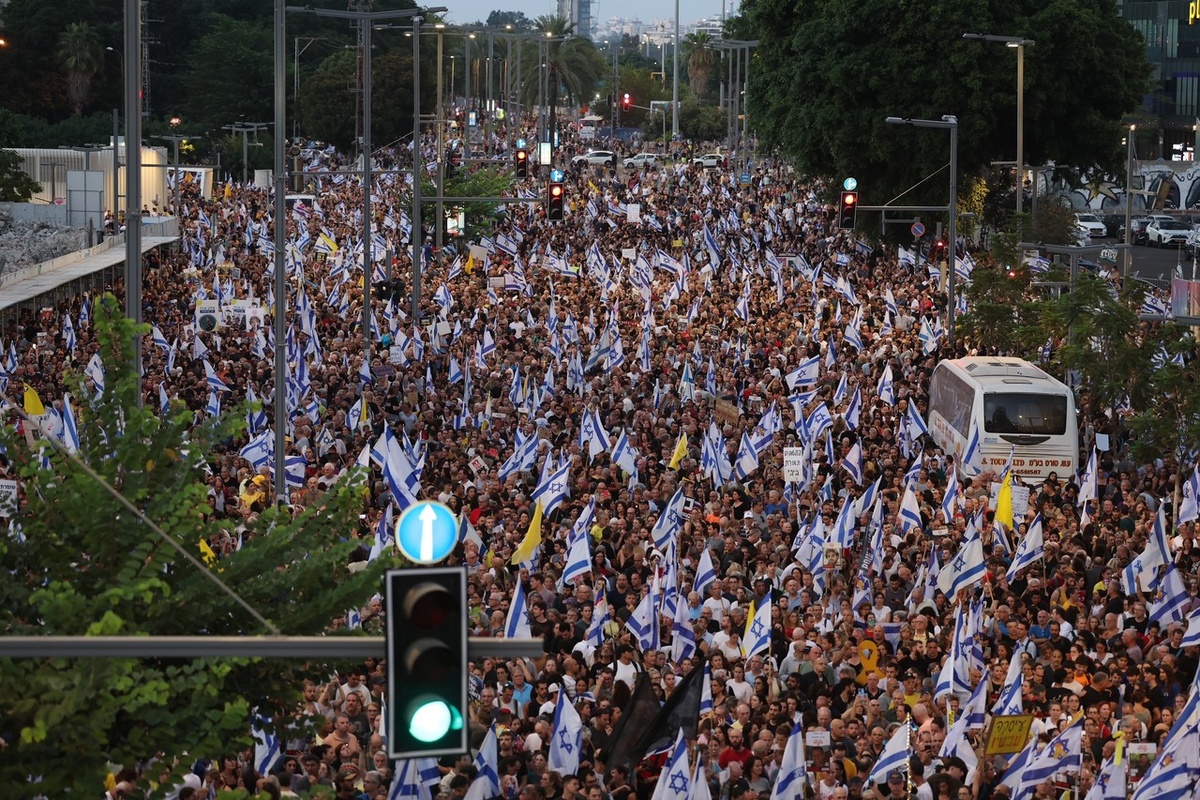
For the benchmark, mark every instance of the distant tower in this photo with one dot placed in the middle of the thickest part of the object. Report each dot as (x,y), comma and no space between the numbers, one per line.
(579,13)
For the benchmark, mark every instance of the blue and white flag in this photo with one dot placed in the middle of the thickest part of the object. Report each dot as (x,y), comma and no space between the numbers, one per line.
(1111,782)
(1009,702)
(1192,637)
(214,381)
(1030,550)
(758,632)
(486,783)
(267,750)
(643,622)
(792,779)
(554,487)
(706,573)
(517,624)
(1064,753)
(894,756)
(70,427)
(965,569)
(675,780)
(567,739)
(1170,598)
(1156,554)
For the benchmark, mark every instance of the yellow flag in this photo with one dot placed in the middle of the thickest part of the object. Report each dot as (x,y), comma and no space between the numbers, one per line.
(33,403)
(1004,502)
(532,540)
(748,626)
(228,190)
(470,265)
(681,448)
(207,553)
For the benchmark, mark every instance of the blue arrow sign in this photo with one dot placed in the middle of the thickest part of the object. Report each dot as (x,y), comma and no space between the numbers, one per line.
(427,532)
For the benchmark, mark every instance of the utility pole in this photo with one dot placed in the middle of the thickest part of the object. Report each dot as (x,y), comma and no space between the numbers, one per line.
(245,129)
(133,178)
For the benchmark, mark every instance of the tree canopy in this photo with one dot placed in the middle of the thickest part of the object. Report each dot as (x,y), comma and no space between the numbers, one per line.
(826,74)
(82,563)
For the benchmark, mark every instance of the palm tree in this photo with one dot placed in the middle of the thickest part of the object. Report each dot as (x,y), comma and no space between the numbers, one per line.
(698,51)
(573,65)
(79,54)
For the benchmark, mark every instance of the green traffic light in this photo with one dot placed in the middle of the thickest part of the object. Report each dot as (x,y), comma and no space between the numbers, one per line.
(432,719)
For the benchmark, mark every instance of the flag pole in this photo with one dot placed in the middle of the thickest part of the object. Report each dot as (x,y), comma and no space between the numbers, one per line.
(908,729)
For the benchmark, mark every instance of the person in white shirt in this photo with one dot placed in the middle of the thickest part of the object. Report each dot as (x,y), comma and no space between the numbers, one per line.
(717,603)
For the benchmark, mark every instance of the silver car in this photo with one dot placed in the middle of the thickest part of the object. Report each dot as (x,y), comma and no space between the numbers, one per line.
(641,160)
(596,157)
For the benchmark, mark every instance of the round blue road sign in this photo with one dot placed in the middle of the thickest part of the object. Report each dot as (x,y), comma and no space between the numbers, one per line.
(427,532)
(917,230)
(850,184)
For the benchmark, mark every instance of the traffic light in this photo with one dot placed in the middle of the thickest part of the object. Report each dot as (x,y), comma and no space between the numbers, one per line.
(848,210)
(427,661)
(626,102)
(521,162)
(554,201)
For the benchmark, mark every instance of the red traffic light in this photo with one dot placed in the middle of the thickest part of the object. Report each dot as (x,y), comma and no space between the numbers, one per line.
(522,155)
(626,100)
(849,198)
(556,190)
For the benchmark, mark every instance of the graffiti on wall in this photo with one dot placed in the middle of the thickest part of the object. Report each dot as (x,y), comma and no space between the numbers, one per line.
(1157,185)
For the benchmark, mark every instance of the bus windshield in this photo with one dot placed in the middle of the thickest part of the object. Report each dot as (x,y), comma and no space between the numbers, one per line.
(1044,414)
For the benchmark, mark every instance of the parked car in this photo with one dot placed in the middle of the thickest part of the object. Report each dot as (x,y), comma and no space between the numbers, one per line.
(1166,233)
(641,160)
(1192,245)
(709,160)
(596,157)
(1092,224)
(1138,226)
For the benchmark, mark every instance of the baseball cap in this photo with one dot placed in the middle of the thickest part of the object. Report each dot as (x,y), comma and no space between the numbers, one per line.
(895,775)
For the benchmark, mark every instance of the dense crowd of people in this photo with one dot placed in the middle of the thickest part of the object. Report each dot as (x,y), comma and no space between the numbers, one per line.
(649,343)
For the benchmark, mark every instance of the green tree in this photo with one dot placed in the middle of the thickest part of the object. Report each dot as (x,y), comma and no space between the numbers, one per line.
(85,564)
(15,185)
(1168,419)
(573,64)
(487,182)
(826,74)
(699,55)
(232,54)
(517,19)
(1102,340)
(79,52)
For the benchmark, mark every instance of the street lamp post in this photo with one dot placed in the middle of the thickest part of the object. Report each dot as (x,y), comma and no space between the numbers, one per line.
(133,178)
(675,81)
(950,123)
(1130,152)
(1019,43)
(366,19)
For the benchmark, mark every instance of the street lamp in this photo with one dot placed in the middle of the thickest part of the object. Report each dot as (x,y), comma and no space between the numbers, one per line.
(366,21)
(950,123)
(1019,44)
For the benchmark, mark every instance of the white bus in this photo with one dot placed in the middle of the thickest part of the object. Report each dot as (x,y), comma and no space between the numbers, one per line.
(1012,402)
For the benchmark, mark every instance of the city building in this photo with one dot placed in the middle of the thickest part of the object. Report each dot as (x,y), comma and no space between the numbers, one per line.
(1171,29)
(579,12)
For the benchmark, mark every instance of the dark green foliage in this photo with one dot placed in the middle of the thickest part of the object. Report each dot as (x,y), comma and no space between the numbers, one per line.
(86,565)
(826,74)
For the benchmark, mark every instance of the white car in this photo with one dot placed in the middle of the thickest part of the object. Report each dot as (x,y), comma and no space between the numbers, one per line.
(709,160)
(596,157)
(1092,224)
(641,160)
(1167,232)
